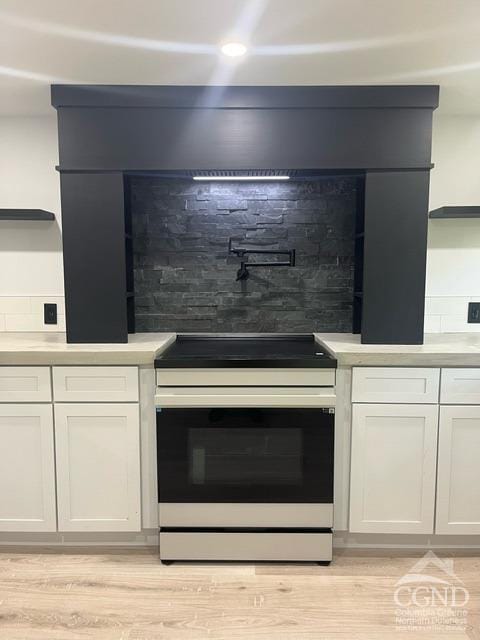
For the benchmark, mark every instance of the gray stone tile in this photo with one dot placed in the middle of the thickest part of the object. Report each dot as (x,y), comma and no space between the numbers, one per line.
(185,279)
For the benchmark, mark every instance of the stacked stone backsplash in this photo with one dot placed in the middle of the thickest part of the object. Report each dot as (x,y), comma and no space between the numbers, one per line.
(185,279)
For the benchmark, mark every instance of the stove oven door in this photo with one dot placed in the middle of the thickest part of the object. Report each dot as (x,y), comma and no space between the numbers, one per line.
(245,467)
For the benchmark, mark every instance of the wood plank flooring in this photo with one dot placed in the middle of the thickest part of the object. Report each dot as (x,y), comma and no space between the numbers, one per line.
(129,595)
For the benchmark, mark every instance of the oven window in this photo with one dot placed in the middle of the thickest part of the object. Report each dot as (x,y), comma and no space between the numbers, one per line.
(243,456)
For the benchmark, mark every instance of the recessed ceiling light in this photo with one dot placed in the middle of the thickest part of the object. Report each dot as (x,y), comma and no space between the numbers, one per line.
(234,49)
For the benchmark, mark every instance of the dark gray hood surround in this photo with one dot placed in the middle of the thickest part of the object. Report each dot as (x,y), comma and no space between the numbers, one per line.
(107,134)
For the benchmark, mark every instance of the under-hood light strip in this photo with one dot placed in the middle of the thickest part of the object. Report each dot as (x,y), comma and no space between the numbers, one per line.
(249,178)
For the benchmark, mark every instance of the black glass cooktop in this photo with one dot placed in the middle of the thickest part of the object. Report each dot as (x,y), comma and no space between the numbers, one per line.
(237,350)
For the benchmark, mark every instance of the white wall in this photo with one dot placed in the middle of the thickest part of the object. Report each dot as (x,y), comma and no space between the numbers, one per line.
(453,265)
(30,252)
(31,258)
(31,270)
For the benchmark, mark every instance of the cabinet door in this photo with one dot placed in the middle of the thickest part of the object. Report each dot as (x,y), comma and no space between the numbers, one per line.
(394,449)
(458,482)
(27,468)
(98,467)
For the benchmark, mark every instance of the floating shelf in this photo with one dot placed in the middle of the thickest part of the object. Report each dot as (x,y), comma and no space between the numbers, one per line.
(26,214)
(456,212)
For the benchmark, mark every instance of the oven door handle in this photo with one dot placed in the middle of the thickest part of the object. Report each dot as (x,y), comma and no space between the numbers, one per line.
(255,397)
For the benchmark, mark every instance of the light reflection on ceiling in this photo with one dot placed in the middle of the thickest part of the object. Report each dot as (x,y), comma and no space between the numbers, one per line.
(244,25)
(306,42)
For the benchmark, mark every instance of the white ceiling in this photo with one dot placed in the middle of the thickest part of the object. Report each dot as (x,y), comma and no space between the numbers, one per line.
(291,42)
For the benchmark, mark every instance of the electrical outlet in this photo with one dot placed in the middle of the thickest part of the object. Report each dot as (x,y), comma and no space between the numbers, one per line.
(50,313)
(473,312)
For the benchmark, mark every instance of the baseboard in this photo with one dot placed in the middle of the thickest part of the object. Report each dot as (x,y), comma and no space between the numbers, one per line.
(406,542)
(143,539)
(148,540)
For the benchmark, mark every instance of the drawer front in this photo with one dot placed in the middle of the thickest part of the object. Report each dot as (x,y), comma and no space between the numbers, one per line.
(238,514)
(245,377)
(25,384)
(95,384)
(399,385)
(283,547)
(460,386)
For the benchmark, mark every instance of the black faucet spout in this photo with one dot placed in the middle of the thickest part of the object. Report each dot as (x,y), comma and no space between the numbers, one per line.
(242,273)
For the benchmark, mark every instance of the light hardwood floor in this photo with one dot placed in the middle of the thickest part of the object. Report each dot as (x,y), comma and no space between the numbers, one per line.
(129,595)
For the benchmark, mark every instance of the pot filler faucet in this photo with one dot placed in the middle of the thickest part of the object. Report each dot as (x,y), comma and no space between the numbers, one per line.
(240,252)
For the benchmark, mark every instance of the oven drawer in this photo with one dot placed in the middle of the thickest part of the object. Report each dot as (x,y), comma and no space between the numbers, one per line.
(246,377)
(213,397)
(285,547)
(231,514)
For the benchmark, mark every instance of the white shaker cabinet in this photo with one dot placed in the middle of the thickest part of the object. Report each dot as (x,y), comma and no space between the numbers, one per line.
(25,384)
(458,483)
(27,468)
(394,451)
(95,384)
(460,386)
(98,467)
(397,385)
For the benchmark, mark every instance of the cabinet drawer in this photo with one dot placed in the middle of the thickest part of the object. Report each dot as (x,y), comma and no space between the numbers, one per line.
(401,384)
(460,386)
(25,384)
(95,384)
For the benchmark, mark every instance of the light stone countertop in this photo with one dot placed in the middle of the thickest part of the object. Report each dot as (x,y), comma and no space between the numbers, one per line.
(442,349)
(439,350)
(52,348)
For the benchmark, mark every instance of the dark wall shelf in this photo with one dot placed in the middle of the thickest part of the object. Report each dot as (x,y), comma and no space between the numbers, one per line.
(26,214)
(456,212)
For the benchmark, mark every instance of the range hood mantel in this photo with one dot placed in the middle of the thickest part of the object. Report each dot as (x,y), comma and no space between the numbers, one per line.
(109,133)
